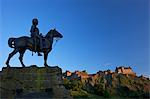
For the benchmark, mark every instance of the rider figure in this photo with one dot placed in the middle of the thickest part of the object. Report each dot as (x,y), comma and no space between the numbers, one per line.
(35,34)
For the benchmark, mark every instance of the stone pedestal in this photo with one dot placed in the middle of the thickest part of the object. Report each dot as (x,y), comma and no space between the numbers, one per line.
(32,82)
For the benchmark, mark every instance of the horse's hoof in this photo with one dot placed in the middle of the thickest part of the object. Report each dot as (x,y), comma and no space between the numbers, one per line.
(45,65)
(7,64)
(23,66)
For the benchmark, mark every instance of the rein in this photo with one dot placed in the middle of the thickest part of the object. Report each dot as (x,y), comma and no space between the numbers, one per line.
(56,40)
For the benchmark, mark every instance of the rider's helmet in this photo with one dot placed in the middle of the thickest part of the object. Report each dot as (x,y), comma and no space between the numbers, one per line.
(35,21)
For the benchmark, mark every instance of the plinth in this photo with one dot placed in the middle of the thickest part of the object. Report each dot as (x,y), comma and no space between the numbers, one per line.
(32,82)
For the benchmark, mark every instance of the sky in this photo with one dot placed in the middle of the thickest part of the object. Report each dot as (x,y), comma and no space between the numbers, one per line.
(97,34)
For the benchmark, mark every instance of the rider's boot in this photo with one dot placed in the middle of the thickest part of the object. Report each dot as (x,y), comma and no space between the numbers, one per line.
(39,54)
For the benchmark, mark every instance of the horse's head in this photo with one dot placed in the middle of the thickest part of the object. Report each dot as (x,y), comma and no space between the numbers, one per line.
(53,33)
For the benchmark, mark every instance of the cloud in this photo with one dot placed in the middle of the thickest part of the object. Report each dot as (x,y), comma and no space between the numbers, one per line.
(107,64)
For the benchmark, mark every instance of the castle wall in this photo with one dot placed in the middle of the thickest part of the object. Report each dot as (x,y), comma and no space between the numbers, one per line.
(123,70)
(68,73)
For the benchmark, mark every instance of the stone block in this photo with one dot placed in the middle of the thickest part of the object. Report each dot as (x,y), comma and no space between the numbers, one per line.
(24,82)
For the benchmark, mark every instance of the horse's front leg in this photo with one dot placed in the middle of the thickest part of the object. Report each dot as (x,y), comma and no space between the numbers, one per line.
(21,57)
(11,55)
(45,58)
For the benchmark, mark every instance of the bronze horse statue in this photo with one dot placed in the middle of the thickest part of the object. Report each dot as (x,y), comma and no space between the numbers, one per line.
(23,43)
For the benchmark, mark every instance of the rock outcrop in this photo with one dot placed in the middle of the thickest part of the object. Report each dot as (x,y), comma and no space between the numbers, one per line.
(32,82)
(123,83)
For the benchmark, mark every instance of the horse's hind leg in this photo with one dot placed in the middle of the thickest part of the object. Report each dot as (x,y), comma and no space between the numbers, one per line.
(21,57)
(11,55)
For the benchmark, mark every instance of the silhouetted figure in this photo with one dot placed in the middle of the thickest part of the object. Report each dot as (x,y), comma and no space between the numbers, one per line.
(23,43)
(35,35)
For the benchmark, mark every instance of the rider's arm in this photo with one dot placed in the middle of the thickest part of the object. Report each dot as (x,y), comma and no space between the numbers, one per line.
(32,28)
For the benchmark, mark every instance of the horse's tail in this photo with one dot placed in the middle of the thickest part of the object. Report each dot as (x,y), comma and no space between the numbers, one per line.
(11,42)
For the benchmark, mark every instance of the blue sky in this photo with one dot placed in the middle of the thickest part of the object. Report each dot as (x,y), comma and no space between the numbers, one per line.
(98,34)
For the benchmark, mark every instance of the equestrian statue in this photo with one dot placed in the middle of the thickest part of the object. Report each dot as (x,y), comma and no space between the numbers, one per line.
(36,43)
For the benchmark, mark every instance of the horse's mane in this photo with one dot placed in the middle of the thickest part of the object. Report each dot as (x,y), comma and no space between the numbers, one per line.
(48,33)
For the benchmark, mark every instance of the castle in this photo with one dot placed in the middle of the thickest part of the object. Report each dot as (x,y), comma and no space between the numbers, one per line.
(125,70)
(76,74)
(83,75)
